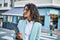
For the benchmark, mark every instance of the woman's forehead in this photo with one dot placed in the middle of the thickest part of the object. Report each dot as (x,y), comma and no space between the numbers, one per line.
(26,7)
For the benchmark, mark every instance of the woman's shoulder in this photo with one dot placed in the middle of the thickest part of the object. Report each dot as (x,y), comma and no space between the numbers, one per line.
(20,21)
(38,23)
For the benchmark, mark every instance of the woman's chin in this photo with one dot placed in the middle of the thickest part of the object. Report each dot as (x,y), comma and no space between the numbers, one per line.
(24,16)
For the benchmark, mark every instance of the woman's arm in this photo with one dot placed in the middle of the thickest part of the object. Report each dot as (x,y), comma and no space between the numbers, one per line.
(38,32)
(19,35)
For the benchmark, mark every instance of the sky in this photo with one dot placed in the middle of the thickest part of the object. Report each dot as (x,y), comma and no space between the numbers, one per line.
(1,0)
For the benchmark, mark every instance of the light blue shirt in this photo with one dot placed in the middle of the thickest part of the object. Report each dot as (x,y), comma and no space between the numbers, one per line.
(28,29)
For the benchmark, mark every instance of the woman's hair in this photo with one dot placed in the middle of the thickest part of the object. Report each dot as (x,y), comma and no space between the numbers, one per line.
(33,11)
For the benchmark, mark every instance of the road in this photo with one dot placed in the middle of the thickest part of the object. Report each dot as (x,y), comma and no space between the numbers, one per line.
(6,34)
(46,36)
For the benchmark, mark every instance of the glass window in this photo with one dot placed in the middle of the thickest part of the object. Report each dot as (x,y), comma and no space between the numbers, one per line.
(0,22)
(54,19)
(5,18)
(0,5)
(5,4)
(42,20)
(16,0)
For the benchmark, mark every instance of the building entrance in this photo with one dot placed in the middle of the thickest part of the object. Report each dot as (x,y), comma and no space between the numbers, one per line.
(54,20)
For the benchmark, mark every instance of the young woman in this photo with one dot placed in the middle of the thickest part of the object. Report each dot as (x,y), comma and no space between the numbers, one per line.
(30,28)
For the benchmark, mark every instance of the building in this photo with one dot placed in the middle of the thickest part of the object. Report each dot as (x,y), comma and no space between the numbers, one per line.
(5,5)
(49,11)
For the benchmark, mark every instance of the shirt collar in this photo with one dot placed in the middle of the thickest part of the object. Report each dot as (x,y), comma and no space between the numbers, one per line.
(30,22)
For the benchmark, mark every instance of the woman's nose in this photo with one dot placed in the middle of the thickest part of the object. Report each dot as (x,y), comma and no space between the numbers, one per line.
(24,11)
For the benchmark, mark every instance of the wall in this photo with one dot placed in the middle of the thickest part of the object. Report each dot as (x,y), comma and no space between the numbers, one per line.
(45,12)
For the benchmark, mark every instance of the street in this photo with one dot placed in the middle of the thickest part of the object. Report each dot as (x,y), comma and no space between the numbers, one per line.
(46,36)
(6,34)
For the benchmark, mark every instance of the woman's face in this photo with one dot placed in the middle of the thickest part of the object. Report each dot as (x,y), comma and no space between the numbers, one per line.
(26,12)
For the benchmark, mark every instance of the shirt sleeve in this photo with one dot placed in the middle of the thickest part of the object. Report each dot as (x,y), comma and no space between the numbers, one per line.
(39,31)
(19,25)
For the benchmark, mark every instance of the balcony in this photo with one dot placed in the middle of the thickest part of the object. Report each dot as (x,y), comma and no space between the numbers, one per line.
(5,4)
(5,8)
(20,3)
(39,3)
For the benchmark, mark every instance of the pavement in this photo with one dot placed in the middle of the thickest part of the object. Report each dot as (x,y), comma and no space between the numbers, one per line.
(45,35)
(6,34)
(48,31)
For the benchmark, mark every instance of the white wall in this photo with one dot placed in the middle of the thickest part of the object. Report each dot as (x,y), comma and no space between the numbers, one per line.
(42,1)
(56,2)
(9,18)
(54,11)
(37,2)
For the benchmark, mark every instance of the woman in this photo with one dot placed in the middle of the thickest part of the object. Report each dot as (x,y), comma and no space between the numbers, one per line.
(30,28)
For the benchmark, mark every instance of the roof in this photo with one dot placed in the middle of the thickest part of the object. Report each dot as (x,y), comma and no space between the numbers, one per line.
(14,12)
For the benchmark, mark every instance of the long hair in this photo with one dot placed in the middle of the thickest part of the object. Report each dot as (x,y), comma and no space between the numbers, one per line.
(33,11)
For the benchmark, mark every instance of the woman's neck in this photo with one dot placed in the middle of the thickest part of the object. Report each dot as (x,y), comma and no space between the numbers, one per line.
(29,19)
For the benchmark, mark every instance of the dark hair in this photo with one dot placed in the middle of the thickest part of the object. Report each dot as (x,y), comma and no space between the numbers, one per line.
(33,11)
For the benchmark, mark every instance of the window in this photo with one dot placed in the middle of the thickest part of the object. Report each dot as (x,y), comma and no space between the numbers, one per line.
(0,5)
(5,4)
(9,19)
(42,20)
(0,22)
(5,18)
(54,19)
(24,0)
(17,0)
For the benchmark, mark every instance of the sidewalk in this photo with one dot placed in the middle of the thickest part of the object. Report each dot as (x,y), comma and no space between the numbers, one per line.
(55,31)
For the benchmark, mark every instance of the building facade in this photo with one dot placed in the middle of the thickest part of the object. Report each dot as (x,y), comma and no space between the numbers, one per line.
(49,11)
(5,5)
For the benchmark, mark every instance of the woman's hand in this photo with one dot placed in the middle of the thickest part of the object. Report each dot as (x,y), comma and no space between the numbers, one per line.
(19,35)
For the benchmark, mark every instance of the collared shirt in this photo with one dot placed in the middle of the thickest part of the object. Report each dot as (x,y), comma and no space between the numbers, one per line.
(28,29)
